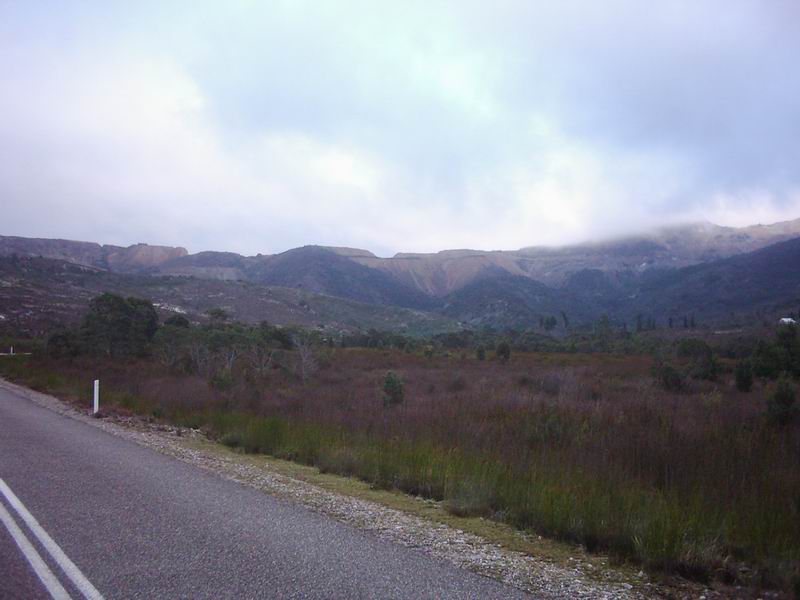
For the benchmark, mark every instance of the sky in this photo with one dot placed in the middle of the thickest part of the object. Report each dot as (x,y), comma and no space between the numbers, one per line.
(394,126)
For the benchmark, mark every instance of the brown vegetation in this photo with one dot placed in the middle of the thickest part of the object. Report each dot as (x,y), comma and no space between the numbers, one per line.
(579,447)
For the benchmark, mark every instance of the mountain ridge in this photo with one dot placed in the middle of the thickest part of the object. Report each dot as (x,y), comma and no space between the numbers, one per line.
(498,288)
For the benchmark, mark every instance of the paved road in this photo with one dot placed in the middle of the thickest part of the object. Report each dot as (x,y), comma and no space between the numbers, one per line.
(138,524)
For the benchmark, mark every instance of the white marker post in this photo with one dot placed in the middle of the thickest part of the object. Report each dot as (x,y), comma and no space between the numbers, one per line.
(12,350)
(96,396)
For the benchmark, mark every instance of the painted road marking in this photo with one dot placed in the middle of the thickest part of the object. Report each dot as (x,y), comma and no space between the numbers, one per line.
(43,572)
(63,561)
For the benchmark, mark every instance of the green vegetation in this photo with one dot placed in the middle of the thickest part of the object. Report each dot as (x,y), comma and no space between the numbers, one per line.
(503,352)
(113,326)
(392,389)
(642,458)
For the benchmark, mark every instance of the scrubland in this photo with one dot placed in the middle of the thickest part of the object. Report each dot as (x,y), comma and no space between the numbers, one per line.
(581,447)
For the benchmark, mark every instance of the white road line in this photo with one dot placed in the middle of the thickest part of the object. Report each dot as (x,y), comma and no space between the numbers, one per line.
(39,567)
(69,568)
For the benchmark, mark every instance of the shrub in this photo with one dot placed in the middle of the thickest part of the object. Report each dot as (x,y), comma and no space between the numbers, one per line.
(503,352)
(63,344)
(232,439)
(480,353)
(705,367)
(744,376)
(222,380)
(392,389)
(668,377)
(781,408)
(767,360)
(693,348)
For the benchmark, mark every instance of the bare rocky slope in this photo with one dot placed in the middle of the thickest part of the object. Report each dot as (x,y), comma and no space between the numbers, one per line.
(445,272)
(114,258)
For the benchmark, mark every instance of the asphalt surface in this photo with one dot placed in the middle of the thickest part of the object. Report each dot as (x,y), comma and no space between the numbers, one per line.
(138,524)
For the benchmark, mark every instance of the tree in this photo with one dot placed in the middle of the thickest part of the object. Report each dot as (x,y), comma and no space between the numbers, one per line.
(503,352)
(116,326)
(172,347)
(393,393)
(63,344)
(789,344)
(143,324)
(307,361)
(767,360)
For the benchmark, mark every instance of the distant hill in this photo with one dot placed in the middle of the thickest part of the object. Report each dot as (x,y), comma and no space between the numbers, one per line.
(413,280)
(444,272)
(37,294)
(740,290)
(312,268)
(131,259)
(324,271)
(502,300)
(765,282)
(719,274)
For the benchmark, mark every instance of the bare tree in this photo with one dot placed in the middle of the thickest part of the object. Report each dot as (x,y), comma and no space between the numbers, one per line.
(200,358)
(229,356)
(307,361)
(261,358)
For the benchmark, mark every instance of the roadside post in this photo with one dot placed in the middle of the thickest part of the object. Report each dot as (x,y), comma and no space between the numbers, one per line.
(96,396)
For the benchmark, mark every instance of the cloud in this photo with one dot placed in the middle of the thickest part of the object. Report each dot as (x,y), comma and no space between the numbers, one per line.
(414,126)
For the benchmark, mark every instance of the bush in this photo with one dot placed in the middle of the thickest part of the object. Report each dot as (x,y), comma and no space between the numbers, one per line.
(767,360)
(705,367)
(668,377)
(781,408)
(503,352)
(744,376)
(222,380)
(693,348)
(392,389)
(232,439)
(63,344)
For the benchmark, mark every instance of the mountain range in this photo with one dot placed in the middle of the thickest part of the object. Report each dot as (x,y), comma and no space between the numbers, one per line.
(718,274)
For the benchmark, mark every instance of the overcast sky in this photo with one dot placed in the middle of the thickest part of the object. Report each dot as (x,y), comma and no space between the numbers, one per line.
(394,126)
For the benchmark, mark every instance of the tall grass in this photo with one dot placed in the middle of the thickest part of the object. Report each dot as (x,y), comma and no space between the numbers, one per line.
(582,448)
